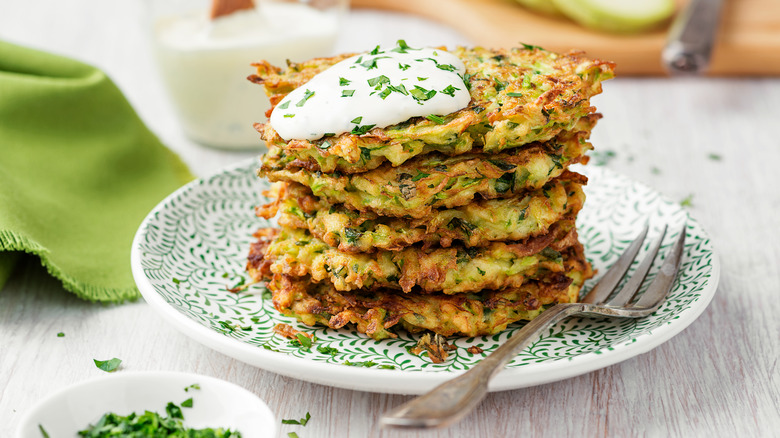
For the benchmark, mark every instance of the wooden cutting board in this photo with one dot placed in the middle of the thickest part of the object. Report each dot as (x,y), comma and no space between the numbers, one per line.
(748,41)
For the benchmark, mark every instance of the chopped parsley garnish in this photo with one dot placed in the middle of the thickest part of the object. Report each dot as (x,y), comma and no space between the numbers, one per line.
(193,386)
(327,350)
(481,272)
(398,89)
(434,118)
(364,364)
(450,90)
(289,116)
(446,67)
(43,431)
(173,411)
(325,145)
(375,51)
(347,93)
(403,67)
(421,78)
(292,435)
(378,81)
(150,424)
(187,403)
(302,421)
(371,63)
(421,94)
(227,326)
(530,47)
(284,104)
(108,366)
(60,335)
(714,157)
(306,96)
(688,201)
(304,340)
(356,120)
(360,130)
(343,81)
(402,47)
(514,94)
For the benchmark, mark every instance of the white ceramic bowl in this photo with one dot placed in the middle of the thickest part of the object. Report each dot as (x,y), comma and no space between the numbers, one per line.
(216,404)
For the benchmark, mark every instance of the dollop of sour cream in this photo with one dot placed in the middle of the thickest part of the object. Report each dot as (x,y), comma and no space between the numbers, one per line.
(376,89)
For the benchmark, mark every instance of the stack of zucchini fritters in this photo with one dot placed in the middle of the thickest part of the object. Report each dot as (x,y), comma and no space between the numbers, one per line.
(459,224)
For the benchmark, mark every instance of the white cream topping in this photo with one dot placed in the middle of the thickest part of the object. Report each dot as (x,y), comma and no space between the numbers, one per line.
(376,89)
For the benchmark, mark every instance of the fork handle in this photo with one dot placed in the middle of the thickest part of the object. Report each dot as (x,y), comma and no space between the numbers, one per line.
(691,37)
(452,400)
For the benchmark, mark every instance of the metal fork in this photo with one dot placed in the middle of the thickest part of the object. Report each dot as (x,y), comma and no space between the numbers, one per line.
(452,400)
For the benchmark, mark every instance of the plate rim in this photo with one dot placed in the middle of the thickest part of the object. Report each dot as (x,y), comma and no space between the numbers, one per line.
(405,382)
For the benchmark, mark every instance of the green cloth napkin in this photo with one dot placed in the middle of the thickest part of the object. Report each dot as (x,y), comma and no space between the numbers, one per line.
(78,173)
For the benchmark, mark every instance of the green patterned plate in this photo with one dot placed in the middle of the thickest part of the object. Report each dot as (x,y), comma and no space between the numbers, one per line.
(191,249)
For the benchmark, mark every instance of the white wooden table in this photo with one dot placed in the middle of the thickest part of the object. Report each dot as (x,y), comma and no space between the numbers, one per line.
(719,377)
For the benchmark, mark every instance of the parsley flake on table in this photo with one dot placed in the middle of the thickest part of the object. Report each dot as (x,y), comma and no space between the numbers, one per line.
(108,366)
(302,421)
(60,335)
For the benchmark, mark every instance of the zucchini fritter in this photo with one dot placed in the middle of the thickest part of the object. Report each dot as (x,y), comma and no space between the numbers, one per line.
(378,313)
(518,96)
(451,270)
(474,224)
(432,181)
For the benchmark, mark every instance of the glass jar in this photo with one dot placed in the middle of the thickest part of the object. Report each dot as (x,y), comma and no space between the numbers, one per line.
(204,62)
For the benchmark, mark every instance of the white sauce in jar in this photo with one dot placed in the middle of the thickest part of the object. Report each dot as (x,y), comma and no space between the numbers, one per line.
(205,64)
(376,89)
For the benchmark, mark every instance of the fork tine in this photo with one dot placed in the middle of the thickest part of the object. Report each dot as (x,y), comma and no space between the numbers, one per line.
(610,280)
(635,282)
(666,276)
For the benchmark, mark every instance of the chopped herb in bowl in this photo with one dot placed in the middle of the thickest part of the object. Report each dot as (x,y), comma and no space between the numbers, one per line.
(152,425)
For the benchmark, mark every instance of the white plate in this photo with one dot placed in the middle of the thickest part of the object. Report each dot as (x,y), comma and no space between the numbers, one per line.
(193,245)
(216,404)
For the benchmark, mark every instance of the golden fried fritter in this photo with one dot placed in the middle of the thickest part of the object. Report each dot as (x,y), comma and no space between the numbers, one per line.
(380,313)
(451,270)
(417,187)
(518,96)
(474,224)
